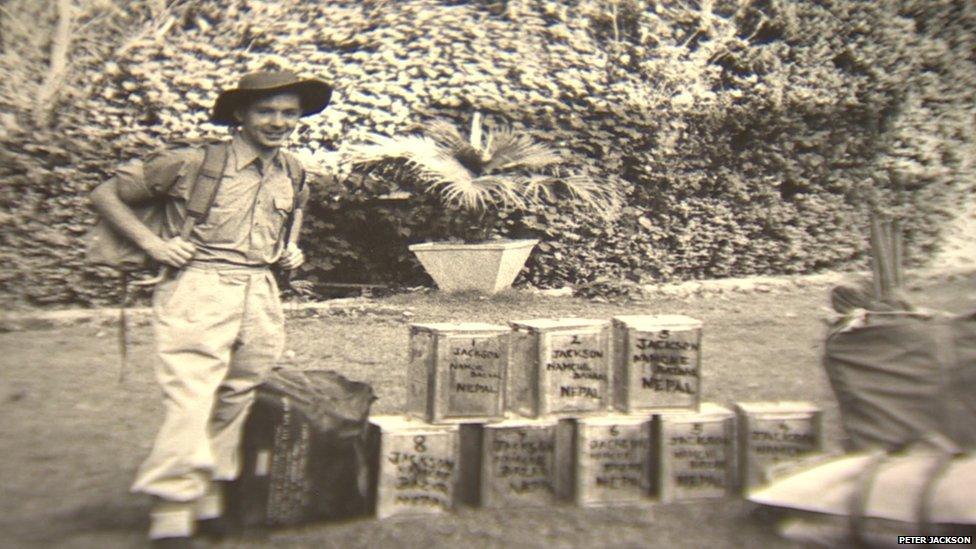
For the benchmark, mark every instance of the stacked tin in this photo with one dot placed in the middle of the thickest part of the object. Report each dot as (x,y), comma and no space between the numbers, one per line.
(590,411)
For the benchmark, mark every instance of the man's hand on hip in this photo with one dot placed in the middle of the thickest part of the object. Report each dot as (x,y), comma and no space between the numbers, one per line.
(174,252)
(291,258)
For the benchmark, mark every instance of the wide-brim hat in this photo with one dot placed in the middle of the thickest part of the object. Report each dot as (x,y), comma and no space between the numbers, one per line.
(315,94)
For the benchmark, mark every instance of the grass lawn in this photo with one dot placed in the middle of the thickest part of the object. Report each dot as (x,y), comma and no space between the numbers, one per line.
(72,435)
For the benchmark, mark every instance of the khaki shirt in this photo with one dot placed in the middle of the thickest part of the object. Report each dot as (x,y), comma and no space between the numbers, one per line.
(245,225)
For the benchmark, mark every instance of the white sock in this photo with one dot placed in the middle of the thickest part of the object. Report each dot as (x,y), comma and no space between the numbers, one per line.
(171,519)
(210,505)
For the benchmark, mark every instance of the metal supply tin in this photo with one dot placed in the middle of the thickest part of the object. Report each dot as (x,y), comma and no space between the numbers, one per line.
(457,372)
(608,462)
(518,464)
(772,433)
(415,466)
(559,366)
(657,362)
(695,454)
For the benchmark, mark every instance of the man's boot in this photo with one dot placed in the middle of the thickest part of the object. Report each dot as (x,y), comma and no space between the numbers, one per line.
(212,522)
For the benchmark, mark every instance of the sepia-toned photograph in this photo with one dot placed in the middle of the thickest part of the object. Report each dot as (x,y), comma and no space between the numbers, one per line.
(487,274)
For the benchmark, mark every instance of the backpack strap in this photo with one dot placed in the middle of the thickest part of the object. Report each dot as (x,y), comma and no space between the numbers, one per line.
(205,186)
(296,173)
(858,502)
(948,451)
(202,195)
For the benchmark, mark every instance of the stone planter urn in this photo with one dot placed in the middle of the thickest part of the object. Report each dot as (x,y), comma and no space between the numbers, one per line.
(486,267)
(495,168)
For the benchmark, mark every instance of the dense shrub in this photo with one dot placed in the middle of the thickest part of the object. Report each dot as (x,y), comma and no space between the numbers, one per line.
(749,137)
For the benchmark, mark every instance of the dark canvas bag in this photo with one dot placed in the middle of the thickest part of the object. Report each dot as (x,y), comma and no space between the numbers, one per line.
(304,455)
(108,248)
(902,376)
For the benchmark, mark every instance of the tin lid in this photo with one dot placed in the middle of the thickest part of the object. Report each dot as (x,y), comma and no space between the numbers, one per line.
(712,408)
(544,324)
(706,410)
(452,327)
(515,422)
(651,323)
(777,407)
(606,420)
(394,423)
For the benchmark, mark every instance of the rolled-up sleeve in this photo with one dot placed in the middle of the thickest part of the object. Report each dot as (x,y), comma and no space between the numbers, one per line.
(158,175)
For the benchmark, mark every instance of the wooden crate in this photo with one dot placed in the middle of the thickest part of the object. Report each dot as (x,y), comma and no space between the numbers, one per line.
(457,372)
(559,367)
(607,461)
(771,433)
(415,466)
(694,454)
(657,363)
(518,463)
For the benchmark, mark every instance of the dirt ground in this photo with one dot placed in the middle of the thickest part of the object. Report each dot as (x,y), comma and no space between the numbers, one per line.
(72,435)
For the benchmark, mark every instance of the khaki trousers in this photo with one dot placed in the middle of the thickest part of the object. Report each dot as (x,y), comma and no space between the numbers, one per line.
(218,333)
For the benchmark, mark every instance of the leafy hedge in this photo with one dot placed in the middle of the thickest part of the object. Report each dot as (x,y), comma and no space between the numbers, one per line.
(749,138)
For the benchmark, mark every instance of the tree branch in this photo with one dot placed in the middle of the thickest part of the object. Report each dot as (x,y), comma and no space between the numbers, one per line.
(58,67)
(616,25)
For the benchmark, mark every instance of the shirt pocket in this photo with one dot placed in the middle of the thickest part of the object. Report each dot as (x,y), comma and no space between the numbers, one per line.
(274,206)
(283,204)
(282,209)
(227,223)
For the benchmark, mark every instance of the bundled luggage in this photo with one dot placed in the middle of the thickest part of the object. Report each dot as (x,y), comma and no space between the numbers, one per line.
(905,380)
(899,373)
(898,377)
(304,451)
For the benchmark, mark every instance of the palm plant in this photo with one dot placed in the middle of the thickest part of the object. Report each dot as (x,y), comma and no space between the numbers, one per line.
(493,169)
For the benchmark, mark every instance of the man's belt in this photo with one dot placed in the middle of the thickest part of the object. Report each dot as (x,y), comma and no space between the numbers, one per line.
(217,265)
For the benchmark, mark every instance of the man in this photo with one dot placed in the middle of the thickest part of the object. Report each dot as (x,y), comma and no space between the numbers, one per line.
(218,321)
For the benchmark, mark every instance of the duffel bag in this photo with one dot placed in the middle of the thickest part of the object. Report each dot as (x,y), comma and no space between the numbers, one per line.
(304,456)
(899,376)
